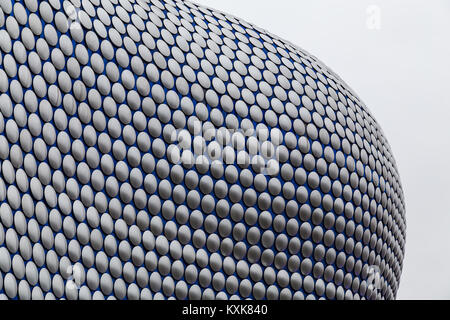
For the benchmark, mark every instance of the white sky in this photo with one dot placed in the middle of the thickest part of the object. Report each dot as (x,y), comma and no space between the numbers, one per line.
(402,72)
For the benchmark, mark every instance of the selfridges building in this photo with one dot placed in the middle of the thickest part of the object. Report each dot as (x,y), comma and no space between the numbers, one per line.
(164,150)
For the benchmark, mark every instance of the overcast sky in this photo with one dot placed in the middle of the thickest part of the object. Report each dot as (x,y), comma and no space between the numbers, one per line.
(396,56)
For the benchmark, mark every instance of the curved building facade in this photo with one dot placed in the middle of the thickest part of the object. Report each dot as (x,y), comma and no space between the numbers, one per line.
(163,150)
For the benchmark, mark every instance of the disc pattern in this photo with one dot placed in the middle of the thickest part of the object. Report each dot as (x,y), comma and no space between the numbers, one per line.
(98,202)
